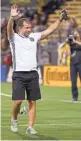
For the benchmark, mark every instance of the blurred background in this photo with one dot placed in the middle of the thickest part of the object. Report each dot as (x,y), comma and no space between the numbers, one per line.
(52,50)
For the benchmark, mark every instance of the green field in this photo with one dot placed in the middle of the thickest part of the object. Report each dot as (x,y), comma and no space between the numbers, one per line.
(58,118)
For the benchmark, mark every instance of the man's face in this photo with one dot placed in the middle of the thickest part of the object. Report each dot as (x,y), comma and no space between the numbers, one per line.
(25,29)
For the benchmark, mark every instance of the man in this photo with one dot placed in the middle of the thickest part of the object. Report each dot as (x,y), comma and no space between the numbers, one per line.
(25,77)
(75,55)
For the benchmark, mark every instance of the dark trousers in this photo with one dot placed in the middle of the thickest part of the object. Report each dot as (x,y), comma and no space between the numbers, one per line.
(75,69)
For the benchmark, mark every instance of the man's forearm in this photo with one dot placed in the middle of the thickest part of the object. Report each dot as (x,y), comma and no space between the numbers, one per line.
(10,27)
(51,29)
(78,42)
(54,26)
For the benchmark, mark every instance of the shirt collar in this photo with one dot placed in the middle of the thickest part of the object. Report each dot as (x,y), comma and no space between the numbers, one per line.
(23,36)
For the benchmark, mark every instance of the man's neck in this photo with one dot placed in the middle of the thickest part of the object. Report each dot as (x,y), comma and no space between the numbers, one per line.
(22,35)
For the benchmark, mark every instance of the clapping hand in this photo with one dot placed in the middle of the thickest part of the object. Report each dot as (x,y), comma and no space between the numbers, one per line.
(63,15)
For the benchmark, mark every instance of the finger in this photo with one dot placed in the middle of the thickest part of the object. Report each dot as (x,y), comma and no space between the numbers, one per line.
(14,6)
(11,7)
(63,10)
(18,12)
(17,6)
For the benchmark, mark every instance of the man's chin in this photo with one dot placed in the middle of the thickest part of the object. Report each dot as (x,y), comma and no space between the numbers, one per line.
(27,34)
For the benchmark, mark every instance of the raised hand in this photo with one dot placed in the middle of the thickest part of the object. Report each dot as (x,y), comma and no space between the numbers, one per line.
(63,15)
(14,11)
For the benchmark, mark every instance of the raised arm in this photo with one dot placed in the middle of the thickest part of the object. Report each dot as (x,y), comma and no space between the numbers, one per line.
(78,43)
(13,14)
(78,40)
(55,25)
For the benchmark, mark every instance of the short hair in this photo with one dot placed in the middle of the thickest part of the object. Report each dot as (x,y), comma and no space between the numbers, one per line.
(22,20)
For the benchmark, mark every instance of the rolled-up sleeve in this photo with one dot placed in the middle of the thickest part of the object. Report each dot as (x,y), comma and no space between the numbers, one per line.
(37,36)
